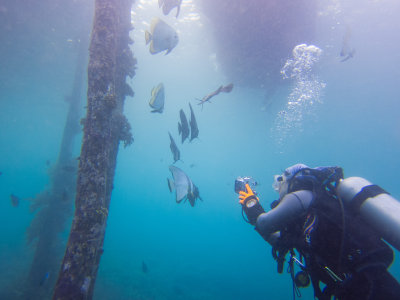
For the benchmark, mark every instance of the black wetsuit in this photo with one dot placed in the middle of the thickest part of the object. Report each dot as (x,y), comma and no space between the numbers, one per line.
(327,237)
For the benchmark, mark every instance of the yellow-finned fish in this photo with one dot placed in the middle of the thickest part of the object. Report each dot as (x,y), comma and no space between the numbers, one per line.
(161,37)
(157,98)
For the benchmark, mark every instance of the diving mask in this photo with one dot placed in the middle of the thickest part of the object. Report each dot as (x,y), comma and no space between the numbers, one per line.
(276,185)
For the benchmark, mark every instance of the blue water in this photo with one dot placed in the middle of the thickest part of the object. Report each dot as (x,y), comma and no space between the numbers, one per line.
(206,251)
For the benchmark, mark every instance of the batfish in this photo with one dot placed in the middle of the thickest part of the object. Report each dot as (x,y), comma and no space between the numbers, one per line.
(347,51)
(174,149)
(183,126)
(184,187)
(157,98)
(194,130)
(161,37)
(168,5)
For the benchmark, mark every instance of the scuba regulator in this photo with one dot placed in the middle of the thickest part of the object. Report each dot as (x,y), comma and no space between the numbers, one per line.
(250,203)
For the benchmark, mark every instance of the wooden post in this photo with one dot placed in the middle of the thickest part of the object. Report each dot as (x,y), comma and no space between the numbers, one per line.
(110,61)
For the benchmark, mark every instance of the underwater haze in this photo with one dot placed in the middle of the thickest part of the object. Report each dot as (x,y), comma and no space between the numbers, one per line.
(325,109)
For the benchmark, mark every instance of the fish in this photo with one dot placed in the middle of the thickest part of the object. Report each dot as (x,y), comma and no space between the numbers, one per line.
(193,195)
(157,98)
(194,130)
(180,183)
(184,187)
(183,126)
(171,185)
(168,5)
(15,200)
(145,269)
(174,149)
(161,37)
(44,278)
(225,89)
(347,51)
(1,173)
(348,55)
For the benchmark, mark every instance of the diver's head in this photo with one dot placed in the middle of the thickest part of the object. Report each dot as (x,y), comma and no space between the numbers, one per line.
(282,182)
(280,185)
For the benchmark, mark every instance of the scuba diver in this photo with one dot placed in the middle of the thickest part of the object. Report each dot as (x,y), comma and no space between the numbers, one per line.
(331,228)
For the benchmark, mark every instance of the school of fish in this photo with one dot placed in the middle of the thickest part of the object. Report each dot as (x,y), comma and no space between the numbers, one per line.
(161,37)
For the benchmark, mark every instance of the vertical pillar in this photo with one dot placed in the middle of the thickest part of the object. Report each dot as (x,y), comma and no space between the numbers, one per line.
(110,61)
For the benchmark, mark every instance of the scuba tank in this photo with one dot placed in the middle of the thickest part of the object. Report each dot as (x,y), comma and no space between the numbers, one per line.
(376,207)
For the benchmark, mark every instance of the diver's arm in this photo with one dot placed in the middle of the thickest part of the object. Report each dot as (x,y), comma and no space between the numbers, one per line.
(290,207)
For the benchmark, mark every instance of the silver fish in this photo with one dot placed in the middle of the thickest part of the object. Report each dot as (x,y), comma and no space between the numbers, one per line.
(157,98)
(174,149)
(161,37)
(183,126)
(193,195)
(185,188)
(194,130)
(168,5)
(347,51)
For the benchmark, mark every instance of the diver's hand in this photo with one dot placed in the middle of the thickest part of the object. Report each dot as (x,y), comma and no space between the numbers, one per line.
(250,205)
(245,196)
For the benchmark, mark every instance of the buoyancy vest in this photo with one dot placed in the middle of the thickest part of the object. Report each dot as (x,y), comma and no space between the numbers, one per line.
(340,243)
(336,243)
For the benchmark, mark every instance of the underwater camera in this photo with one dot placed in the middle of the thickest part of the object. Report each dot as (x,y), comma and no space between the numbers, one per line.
(240,184)
(250,206)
